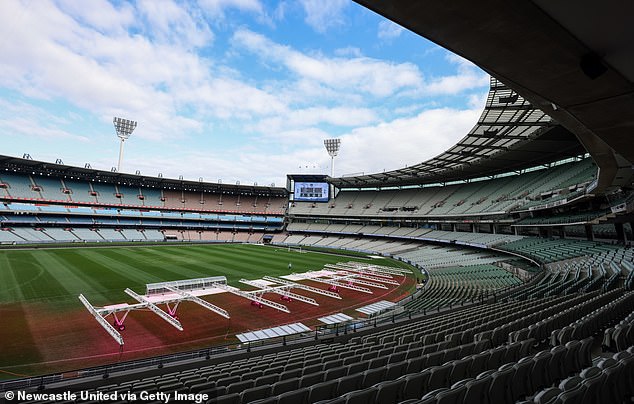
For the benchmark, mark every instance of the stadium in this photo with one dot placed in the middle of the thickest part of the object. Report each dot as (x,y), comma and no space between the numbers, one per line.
(498,271)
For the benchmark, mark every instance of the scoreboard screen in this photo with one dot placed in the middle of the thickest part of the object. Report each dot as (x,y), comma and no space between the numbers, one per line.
(311,191)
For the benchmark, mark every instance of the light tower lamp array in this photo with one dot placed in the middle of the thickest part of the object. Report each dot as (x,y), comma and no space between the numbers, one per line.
(332,147)
(124,128)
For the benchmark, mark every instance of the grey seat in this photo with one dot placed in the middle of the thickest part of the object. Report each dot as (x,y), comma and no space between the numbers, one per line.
(347,384)
(233,398)
(500,387)
(512,352)
(450,354)
(557,362)
(613,386)
(322,391)
(255,393)
(335,373)
(267,379)
(414,365)
(585,353)
(378,362)
(239,386)
(299,396)
(593,379)
(357,367)
(364,396)
(460,369)
(395,370)
(479,362)
(284,385)
(312,369)
(454,395)
(547,396)
(396,357)
(433,393)
(415,384)
(389,392)
(539,374)
(521,385)
(496,357)
(572,357)
(225,381)
(372,377)
(439,376)
(477,391)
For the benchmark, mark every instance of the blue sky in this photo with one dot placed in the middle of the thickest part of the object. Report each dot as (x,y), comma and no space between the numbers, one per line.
(238,90)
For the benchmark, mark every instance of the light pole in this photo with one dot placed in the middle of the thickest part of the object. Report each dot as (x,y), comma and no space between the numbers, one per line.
(124,128)
(332,147)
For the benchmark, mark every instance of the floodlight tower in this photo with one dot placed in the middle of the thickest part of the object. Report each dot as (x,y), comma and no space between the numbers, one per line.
(332,147)
(124,129)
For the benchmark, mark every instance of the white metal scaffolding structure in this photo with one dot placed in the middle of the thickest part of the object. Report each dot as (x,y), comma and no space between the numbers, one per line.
(201,302)
(142,299)
(304,287)
(254,297)
(283,290)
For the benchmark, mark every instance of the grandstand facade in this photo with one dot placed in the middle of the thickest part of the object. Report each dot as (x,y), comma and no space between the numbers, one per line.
(46,203)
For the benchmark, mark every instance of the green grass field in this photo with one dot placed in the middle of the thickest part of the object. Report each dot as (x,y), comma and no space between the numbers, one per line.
(102,273)
(44,322)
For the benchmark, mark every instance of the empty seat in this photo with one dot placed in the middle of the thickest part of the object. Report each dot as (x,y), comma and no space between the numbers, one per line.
(255,393)
(547,396)
(500,387)
(372,377)
(460,369)
(225,381)
(293,397)
(364,396)
(415,385)
(350,383)
(284,385)
(322,391)
(539,374)
(389,392)
(439,376)
(593,381)
(239,386)
(521,378)
(556,366)
(395,370)
(267,379)
(335,373)
(311,379)
(477,391)
(233,398)
(452,396)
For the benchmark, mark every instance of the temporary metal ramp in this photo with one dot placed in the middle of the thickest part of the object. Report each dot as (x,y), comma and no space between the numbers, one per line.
(303,287)
(283,290)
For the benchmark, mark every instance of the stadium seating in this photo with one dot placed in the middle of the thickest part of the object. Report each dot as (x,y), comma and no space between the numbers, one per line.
(500,195)
(464,355)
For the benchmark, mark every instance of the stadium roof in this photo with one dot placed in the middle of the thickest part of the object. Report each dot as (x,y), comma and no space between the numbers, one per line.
(29,166)
(571,58)
(510,135)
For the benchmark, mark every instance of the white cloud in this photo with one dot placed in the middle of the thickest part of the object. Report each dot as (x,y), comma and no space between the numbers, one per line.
(468,77)
(217,7)
(377,77)
(403,141)
(308,117)
(101,15)
(324,14)
(172,23)
(48,54)
(370,149)
(389,30)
